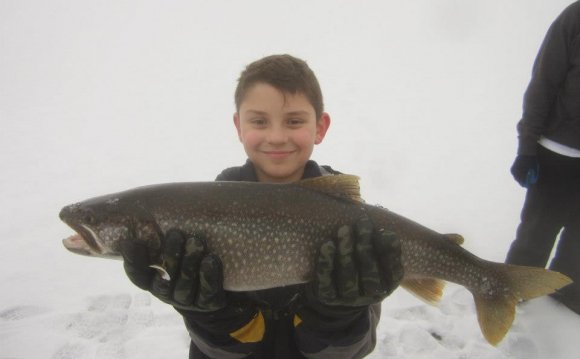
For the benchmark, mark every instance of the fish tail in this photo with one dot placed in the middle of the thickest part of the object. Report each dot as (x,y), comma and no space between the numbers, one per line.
(532,282)
(496,311)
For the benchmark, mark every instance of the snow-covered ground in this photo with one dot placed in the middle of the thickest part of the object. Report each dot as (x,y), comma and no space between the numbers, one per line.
(102,96)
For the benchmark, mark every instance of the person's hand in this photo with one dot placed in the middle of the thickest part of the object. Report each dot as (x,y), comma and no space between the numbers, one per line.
(525,170)
(360,268)
(196,279)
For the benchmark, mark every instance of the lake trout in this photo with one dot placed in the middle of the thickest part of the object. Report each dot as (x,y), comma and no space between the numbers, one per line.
(268,235)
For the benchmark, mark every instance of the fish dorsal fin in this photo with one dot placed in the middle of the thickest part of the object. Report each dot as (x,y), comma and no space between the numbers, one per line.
(344,186)
(454,237)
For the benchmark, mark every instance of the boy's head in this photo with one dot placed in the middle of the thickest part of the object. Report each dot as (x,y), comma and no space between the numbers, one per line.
(279,116)
(286,73)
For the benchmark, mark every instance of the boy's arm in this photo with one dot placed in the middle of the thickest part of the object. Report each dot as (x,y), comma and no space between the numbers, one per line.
(342,306)
(549,75)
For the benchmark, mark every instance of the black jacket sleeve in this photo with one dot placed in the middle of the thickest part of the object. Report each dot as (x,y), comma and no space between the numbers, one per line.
(554,89)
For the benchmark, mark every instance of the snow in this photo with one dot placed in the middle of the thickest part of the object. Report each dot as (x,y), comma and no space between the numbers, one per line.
(97,97)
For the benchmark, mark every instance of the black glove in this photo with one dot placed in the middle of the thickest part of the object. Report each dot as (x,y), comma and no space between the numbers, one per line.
(196,279)
(195,286)
(361,268)
(525,170)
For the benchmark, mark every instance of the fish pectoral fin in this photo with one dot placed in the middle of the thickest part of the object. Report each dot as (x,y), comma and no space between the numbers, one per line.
(429,290)
(495,316)
(344,186)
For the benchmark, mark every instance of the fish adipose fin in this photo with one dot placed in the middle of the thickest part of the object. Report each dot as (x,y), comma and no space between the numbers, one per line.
(344,186)
(496,311)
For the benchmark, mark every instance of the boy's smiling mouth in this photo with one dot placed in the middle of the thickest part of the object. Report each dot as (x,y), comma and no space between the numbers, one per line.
(277,154)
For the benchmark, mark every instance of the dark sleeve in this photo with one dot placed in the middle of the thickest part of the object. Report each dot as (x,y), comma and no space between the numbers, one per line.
(358,340)
(549,74)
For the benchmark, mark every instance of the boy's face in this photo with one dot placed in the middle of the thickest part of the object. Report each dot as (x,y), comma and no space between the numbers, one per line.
(278,131)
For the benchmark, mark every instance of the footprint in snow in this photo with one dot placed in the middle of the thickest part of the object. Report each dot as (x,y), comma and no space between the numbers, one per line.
(71,351)
(104,327)
(22,312)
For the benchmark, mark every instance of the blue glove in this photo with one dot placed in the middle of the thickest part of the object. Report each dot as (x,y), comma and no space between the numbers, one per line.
(525,170)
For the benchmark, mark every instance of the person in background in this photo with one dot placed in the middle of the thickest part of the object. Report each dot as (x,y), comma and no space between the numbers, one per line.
(279,118)
(548,158)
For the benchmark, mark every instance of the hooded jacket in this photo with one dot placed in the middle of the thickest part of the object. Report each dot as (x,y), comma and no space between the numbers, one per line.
(551,106)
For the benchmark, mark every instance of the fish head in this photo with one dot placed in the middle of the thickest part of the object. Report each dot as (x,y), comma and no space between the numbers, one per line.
(100,225)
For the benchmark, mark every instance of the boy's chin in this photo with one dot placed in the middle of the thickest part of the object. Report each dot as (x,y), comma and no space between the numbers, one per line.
(279,174)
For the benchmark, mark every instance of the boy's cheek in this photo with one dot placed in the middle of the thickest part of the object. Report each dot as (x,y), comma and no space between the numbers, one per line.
(250,139)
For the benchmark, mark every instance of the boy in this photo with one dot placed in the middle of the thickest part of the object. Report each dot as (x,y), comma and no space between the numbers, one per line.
(279,118)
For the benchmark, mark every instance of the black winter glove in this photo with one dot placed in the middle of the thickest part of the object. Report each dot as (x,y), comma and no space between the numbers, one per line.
(195,287)
(525,170)
(196,279)
(361,268)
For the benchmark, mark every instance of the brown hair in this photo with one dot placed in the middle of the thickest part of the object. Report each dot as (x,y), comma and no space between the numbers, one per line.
(284,72)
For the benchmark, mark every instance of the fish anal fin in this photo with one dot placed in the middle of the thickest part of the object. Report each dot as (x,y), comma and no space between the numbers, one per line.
(429,290)
(495,315)
(344,186)
(454,237)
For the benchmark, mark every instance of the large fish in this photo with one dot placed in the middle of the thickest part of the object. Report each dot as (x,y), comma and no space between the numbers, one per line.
(267,235)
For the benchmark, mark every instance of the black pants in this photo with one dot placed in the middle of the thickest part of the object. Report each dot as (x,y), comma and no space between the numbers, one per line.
(552,207)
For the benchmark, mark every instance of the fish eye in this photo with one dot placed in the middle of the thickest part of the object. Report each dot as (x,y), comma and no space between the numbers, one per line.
(89,219)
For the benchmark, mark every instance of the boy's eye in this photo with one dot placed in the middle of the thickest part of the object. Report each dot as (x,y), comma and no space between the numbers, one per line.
(295,121)
(258,121)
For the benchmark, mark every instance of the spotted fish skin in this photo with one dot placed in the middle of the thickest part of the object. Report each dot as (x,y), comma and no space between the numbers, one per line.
(268,235)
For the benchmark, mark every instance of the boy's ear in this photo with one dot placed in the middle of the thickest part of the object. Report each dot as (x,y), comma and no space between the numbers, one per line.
(237,124)
(322,126)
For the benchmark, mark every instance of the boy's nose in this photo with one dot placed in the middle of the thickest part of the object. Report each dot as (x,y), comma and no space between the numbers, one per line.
(277,135)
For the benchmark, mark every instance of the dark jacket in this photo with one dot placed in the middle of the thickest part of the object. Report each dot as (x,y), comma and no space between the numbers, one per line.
(552,99)
(284,336)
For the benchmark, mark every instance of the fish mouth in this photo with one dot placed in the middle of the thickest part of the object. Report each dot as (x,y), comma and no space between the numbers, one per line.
(83,242)
(78,245)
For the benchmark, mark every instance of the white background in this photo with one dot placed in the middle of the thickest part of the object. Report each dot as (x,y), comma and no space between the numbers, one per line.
(102,96)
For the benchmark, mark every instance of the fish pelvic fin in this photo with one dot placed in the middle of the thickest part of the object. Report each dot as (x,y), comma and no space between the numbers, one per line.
(343,186)
(495,312)
(429,290)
